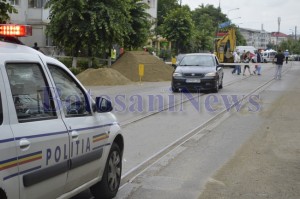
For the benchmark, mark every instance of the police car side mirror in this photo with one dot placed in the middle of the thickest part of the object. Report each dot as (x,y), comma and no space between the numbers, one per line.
(103,105)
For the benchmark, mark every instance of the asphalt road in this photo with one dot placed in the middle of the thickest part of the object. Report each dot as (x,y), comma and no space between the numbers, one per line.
(173,153)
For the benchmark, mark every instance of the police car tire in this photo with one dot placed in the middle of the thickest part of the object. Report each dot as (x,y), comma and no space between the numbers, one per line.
(102,189)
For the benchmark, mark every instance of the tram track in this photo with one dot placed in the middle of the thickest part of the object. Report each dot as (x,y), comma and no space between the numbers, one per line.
(134,172)
(167,106)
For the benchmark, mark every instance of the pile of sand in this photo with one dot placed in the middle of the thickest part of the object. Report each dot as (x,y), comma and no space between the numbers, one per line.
(154,69)
(102,76)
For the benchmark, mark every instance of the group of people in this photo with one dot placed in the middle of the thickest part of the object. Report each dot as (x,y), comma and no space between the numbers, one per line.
(246,58)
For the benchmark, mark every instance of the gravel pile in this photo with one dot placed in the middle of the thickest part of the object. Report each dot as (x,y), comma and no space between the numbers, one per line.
(155,69)
(102,76)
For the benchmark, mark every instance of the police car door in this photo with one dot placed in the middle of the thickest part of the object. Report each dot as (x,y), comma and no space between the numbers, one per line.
(41,138)
(88,132)
(9,183)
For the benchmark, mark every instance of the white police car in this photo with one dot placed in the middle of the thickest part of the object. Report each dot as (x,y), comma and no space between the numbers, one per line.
(55,140)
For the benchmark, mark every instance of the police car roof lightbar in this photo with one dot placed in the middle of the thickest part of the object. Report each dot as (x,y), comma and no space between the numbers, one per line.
(15,30)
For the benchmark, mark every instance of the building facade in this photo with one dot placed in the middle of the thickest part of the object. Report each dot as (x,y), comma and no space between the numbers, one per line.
(257,38)
(278,37)
(33,12)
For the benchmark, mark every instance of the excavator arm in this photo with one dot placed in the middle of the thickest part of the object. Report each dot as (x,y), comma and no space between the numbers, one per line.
(225,46)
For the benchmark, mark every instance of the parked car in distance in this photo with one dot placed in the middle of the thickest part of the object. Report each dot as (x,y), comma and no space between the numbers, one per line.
(198,72)
(268,55)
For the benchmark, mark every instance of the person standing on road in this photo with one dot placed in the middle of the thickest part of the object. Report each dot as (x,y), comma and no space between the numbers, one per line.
(286,54)
(279,62)
(259,59)
(237,59)
(246,59)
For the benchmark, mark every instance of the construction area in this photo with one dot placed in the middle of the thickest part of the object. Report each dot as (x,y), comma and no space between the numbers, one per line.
(126,71)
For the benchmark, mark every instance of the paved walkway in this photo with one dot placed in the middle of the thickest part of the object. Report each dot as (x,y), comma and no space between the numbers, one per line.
(268,164)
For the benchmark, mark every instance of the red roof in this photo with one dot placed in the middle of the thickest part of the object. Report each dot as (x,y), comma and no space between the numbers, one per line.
(278,34)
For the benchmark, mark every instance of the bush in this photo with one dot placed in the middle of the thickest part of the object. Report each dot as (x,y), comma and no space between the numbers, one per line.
(83,63)
(76,71)
(66,61)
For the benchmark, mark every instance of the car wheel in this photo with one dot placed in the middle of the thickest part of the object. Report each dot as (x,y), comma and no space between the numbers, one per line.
(174,90)
(216,89)
(221,85)
(108,187)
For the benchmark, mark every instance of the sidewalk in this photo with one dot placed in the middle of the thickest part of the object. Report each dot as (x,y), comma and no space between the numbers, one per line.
(268,164)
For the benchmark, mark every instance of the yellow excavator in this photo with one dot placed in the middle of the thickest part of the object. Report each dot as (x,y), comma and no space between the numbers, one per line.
(225,46)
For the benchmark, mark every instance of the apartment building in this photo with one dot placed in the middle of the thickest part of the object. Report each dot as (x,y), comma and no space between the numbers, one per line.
(32,12)
(278,37)
(257,38)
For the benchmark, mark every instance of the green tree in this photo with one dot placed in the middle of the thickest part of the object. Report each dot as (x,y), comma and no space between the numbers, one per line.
(292,45)
(203,41)
(5,10)
(90,25)
(178,28)
(208,17)
(66,28)
(140,23)
(204,31)
(271,46)
(240,40)
(164,7)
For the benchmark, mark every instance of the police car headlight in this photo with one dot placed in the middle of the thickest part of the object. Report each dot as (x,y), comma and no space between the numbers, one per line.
(211,75)
(177,74)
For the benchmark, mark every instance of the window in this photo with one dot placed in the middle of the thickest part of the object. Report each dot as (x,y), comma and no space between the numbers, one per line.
(1,111)
(74,101)
(14,2)
(36,3)
(30,92)
(197,60)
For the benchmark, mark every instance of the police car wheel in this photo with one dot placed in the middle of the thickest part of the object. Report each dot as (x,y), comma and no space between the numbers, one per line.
(109,185)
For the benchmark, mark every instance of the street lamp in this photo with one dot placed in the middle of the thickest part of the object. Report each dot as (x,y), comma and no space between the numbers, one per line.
(232,10)
(292,33)
(235,18)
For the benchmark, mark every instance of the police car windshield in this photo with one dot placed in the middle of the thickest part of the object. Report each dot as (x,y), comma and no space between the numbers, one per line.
(197,60)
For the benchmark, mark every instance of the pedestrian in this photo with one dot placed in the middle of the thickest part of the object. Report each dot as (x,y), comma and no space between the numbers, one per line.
(279,62)
(246,59)
(237,59)
(286,55)
(259,59)
(35,46)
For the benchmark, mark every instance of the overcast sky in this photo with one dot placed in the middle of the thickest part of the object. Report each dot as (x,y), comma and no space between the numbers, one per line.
(257,12)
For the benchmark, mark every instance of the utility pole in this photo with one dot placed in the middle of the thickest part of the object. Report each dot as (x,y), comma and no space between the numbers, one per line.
(279,20)
(295,33)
